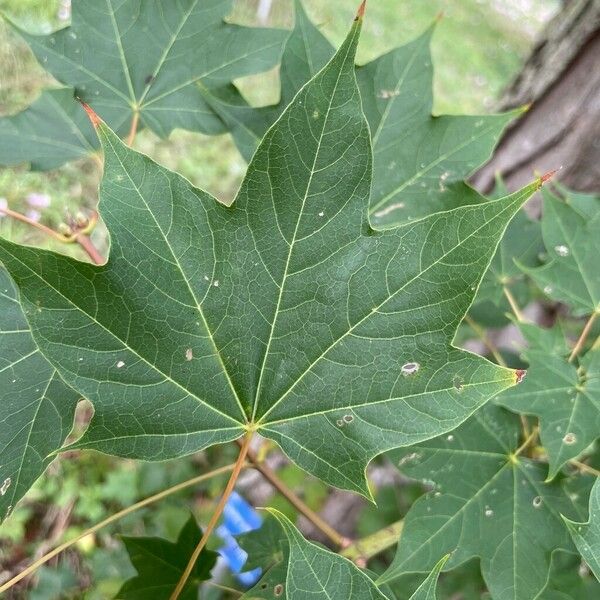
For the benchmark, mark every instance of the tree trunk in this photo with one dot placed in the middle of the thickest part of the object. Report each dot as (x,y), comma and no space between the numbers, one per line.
(561,130)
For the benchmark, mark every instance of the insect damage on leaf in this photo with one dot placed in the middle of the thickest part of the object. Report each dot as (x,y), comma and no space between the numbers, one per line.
(285,313)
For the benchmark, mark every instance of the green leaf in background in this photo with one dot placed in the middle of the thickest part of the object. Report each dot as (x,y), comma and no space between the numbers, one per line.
(139,56)
(285,314)
(161,563)
(420,160)
(305,53)
(572,240)
(37,408)
(314,572)
(426,591)
(587,535)
(564,396)
(50,132)
(486,503)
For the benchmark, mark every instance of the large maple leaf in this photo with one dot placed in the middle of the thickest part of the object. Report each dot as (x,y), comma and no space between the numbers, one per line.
(285,313)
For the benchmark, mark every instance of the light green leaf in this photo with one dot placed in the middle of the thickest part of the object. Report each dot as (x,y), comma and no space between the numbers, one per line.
(420,160)
(572,240)
(285,314)
(587,535)
(565,397)
(36,411)
(146,56)
(313,572)
(160,564)
(486,503)
(51,131)
(426,591)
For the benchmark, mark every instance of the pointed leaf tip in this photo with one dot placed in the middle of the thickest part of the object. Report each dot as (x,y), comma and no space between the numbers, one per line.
(441,14)
(546,177)
(94,118)
(361,10)
(520,375)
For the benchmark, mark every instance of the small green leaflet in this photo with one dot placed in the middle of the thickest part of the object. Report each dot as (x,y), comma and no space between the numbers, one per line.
(486,503)
(50,132)
(587,535)
(420,160)
(426,591)
(285,313)
(36,411)
(315,573)
(564,396)
(572,240)
(128,56)
(161,563)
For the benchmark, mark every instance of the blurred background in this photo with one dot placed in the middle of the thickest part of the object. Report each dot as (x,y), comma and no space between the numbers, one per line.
(488,54)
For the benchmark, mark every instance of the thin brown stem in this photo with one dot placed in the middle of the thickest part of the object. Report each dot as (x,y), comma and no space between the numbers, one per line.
(135,120)
(24,219)
(583,337)
(86,243)
(295,501)
(585,468)
(175,488)
(479,331)
(513,304)
(239,464)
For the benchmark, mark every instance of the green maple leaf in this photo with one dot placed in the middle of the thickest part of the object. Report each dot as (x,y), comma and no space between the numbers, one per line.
(587,535)
(420,160)
(160,564)
(564,396)
(571,232)
(36,412)
(285,313)
(426,591)
(314,572)
(487,503)
(134,56)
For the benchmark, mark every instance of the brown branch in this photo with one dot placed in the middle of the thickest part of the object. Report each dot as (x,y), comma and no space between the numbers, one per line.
(295,501)
(239,465)
(19,217)
(86,243)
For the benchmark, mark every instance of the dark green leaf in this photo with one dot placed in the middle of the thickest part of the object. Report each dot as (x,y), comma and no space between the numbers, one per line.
(565,397)
(51,131)
(145,56)
(285,313)
(572,240)
(486,503)
(161,563)
(36,411)
(426,591)
(587,535)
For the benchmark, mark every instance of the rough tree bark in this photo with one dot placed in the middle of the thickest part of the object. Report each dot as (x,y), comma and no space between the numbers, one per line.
(561,81)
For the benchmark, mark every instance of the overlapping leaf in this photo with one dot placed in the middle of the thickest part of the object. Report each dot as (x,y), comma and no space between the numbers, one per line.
(36,408)
(316,573)
(564,396)
(161,563)
(486,503)
(420,160)
(284,313)
(571,234)
(135,56)
(587,535)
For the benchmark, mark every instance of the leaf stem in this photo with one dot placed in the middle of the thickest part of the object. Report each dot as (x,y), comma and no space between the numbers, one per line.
(583,337)
(86,243)
(479,331)
(134,127)
(585,468)
(19,217)
(151,499)
(526,443)
(513,304)
(235,473)
(295,501)
(362,550)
